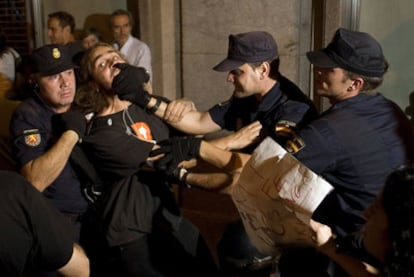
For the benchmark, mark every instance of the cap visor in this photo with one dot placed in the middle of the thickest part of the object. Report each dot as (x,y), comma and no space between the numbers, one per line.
(57,70)
(320,59)
(228,65)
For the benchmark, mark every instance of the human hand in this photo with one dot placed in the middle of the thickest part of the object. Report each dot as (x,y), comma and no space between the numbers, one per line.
(129,84)
(175,151)
(242,138)
(323,233)
(245,136)
(73,120)
(176,110)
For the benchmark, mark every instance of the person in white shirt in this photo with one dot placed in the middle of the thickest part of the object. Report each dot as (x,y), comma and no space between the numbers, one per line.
(9,59)
(135,51)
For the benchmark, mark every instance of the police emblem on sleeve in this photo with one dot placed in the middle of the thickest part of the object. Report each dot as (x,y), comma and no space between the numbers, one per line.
(32,137)
(287,136)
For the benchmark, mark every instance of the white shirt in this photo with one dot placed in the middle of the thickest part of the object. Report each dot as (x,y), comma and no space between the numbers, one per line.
(8,63)
(137,53)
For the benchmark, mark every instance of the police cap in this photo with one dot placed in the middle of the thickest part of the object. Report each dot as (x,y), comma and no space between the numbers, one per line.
(51,59)
(356,52)
(250,47)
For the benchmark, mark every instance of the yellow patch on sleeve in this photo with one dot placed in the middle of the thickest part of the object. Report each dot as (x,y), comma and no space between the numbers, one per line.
(32,137)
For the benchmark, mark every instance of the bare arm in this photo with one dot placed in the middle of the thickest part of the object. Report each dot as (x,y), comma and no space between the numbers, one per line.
(42,171)
(240,139)
(229,164)
(226,160)
(78,265)
(177,109)
(183,115)
(192,122)
(326,244)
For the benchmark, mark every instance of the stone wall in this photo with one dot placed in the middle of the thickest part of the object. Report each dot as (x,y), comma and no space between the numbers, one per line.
(206,26)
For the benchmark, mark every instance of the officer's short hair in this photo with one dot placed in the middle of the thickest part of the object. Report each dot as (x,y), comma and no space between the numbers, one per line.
(274,67)
(370,83)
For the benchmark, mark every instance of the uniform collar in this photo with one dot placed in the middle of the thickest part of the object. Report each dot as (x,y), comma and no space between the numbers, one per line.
(273,96)
(356,99)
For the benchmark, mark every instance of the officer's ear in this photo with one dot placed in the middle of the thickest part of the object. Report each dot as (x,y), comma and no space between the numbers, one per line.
(356,84)
(263,69)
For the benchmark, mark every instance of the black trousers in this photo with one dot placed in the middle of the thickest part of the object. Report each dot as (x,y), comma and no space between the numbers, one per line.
(163,252)
(307,261)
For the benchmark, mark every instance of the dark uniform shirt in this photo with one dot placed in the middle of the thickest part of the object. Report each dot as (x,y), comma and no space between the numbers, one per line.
(354,145)
(283,108)
(119,154)
(32,135)
(34,236)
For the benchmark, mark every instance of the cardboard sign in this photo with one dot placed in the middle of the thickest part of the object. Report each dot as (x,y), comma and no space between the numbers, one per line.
(276,196)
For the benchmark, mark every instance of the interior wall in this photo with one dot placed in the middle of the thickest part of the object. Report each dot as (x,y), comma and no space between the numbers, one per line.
(187,41)
(392,24)
(206,26)
(80,9)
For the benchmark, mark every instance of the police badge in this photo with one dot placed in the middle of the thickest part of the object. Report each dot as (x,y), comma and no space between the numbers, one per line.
(32,137)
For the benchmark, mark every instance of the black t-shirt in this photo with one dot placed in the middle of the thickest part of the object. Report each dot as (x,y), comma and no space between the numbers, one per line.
(34,236)
(129,200)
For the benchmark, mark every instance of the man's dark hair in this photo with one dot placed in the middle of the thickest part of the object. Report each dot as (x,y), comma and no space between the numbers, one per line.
(370,83)
(274,67)
(398,204)
(121,12)
(65,19)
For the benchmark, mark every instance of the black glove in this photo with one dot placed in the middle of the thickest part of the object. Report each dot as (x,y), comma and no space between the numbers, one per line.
(72,120)
(176,150)
(179,176)
(129,84)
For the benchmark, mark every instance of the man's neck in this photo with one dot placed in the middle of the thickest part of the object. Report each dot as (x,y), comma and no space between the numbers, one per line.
(267,86)
(69,39)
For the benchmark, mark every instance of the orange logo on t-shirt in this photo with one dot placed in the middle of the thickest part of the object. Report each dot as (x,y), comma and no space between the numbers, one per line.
(142,131)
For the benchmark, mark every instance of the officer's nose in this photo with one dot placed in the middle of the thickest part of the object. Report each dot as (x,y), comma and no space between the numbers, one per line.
(64,80)
(230,77)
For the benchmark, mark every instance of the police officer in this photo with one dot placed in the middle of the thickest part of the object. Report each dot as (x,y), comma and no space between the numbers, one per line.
(354,145)
(361,139)
(42,152)
(261,93)
(35,236)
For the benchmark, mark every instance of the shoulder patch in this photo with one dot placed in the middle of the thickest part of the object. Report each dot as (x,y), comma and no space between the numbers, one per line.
(284,128)
(295,144)
(286,133)
(32,137)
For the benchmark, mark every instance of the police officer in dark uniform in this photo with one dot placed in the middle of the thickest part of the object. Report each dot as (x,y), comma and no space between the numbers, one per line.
(35,236)
(261,94)
(355,144)
(40,149)
(273,100)
(280,109)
